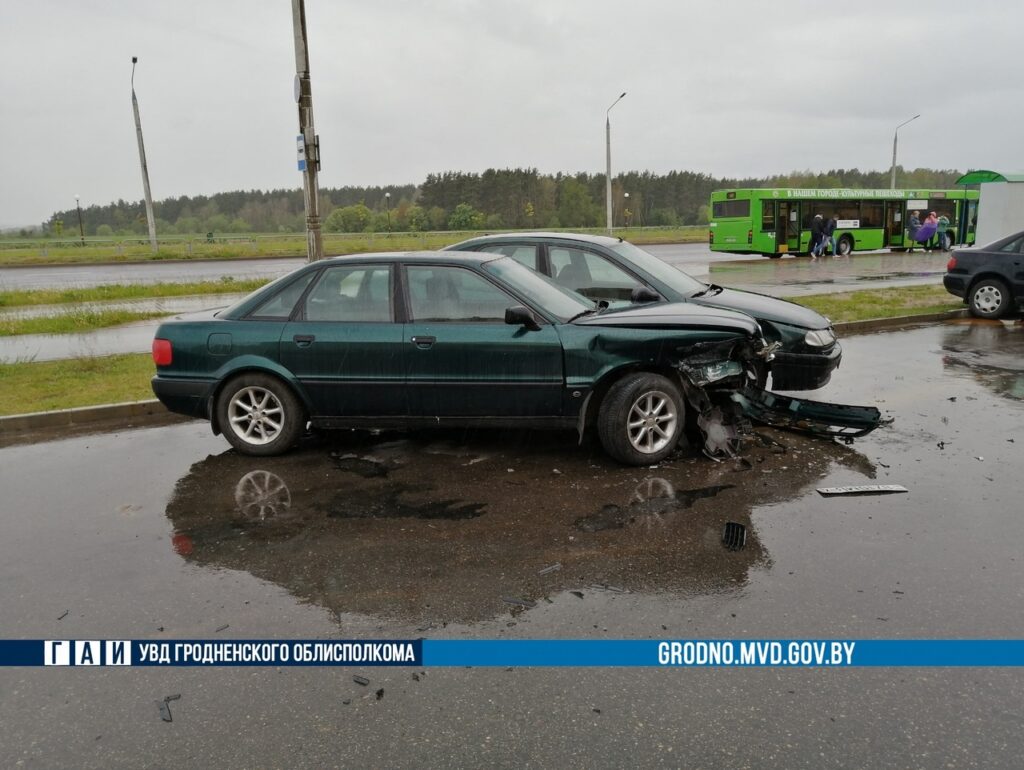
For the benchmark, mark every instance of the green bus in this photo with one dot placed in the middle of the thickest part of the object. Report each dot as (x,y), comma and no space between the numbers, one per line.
(777,221)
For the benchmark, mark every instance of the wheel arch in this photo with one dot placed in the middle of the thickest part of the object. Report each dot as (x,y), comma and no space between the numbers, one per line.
(256,366)
(979,277)
(592,404)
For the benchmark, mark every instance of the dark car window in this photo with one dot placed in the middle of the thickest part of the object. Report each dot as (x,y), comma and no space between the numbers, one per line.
(280,305)
(351,293)
(454,294)
(544,293)
(523,253)
(1014,246)
(590,274)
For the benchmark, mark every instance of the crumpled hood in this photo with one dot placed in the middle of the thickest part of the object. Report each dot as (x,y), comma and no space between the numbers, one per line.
(674,315)
(761,306)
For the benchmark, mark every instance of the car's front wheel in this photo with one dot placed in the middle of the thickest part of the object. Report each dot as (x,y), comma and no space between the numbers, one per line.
(641,418)
(989,298)
(259,414)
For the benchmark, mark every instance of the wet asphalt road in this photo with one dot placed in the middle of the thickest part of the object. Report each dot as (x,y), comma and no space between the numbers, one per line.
(163,533)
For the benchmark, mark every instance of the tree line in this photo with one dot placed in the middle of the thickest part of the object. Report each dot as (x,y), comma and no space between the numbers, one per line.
(454,200)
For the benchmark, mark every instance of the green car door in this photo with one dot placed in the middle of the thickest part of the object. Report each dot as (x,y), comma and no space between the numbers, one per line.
(344,345)
(465,361)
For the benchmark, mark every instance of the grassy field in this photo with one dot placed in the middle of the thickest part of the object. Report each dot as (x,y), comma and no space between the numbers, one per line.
(40,386)
(100,250)
(118,291)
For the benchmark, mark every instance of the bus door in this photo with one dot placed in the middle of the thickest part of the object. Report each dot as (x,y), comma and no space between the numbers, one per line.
(894,223)
(972,222)
(787,225)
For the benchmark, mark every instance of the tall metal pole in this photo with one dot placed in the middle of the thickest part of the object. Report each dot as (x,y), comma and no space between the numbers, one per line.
(142,160)
(608,163)
(310,162)
(387,204)
(895,136)
(81,230)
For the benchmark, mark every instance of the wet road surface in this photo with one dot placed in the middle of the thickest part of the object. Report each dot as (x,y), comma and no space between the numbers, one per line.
(429,534)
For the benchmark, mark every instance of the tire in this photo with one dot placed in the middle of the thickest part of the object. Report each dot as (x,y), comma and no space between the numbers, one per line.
(775,256)
(654,406)
(259,415)
(844,247)
(990,298)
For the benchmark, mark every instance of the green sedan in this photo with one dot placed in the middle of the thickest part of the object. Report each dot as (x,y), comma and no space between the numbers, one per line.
(449,338)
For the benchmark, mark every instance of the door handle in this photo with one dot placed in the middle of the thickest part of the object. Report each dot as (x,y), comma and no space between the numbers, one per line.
(303,340)
(423,343)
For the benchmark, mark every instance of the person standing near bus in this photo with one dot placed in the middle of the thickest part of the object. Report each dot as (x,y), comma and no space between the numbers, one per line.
(943,237)
(929,229)
(829,241)
(913,226)
(817,235)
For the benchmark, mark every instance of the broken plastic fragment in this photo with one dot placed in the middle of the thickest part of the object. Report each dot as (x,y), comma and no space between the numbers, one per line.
(734,536)
(864,489)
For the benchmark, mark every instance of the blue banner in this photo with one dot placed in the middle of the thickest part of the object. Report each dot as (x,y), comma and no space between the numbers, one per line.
(687,653)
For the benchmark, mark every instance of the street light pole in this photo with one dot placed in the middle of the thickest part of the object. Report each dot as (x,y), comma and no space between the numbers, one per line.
(150,221)
(81,230)
(387,204)
(608,162)
(309,162)
(895,136)
(625,209)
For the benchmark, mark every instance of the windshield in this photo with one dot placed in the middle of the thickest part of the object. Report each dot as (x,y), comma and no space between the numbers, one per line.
(549,296)
(659,269)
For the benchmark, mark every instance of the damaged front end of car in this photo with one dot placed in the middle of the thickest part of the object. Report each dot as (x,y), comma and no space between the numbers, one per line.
(719,380)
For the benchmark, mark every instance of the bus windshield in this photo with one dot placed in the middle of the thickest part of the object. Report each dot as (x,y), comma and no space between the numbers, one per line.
(660,269)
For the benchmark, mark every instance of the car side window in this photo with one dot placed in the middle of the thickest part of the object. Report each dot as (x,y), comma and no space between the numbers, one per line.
(351,293)
(1014,246)
(454,294)
(523,253)
(590,274)
(280,306)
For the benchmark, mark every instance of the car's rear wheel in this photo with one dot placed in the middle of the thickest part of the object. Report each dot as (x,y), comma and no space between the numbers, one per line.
(259,414)
(989,298)
(641,418)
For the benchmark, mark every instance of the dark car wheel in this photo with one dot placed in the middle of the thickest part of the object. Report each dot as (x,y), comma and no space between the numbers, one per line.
(844,246)
(259,414)
(641,419)
(989,298)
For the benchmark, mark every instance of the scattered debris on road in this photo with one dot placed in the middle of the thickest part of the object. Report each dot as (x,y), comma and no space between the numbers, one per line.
(553,568)
(734,536)
(360,680)
(519,602)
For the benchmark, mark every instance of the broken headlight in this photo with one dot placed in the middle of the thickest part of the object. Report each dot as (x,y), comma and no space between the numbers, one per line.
(820,338)
(718,370)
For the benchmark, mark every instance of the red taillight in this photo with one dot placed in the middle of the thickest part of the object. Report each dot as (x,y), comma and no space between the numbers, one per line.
(162,352)
(951,264)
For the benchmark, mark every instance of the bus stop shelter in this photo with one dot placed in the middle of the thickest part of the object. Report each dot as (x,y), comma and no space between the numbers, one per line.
(1001,205)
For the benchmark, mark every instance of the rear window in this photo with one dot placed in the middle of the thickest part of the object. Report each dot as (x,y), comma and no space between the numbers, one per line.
(725,209)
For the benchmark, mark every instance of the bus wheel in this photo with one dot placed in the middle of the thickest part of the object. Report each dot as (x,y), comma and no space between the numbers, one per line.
(844,246)
(774,256)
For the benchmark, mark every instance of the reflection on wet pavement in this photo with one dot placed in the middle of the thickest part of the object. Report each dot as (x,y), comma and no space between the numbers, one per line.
(441,527)
(992,352)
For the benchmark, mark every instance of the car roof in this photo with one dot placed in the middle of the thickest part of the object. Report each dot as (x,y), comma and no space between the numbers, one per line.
(603,240)
(448,257)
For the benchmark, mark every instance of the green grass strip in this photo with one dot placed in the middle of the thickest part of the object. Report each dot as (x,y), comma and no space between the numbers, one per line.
(45,385)
(121,291)
(73,323)
(882,303)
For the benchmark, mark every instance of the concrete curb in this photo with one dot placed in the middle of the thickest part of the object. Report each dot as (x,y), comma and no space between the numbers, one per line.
(879,324)
(152,412)
(132,413)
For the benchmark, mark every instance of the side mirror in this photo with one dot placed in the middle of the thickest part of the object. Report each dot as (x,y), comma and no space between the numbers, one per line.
(641,295)
(517,315)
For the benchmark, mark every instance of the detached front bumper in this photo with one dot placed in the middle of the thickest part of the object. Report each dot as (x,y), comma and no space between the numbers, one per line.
(804,371)
(183,396)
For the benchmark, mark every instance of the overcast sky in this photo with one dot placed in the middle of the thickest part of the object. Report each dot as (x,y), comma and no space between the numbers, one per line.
(407,87)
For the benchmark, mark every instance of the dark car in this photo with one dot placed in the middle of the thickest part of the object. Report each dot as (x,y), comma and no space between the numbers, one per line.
(450,338)
(612,269)
(990,278)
